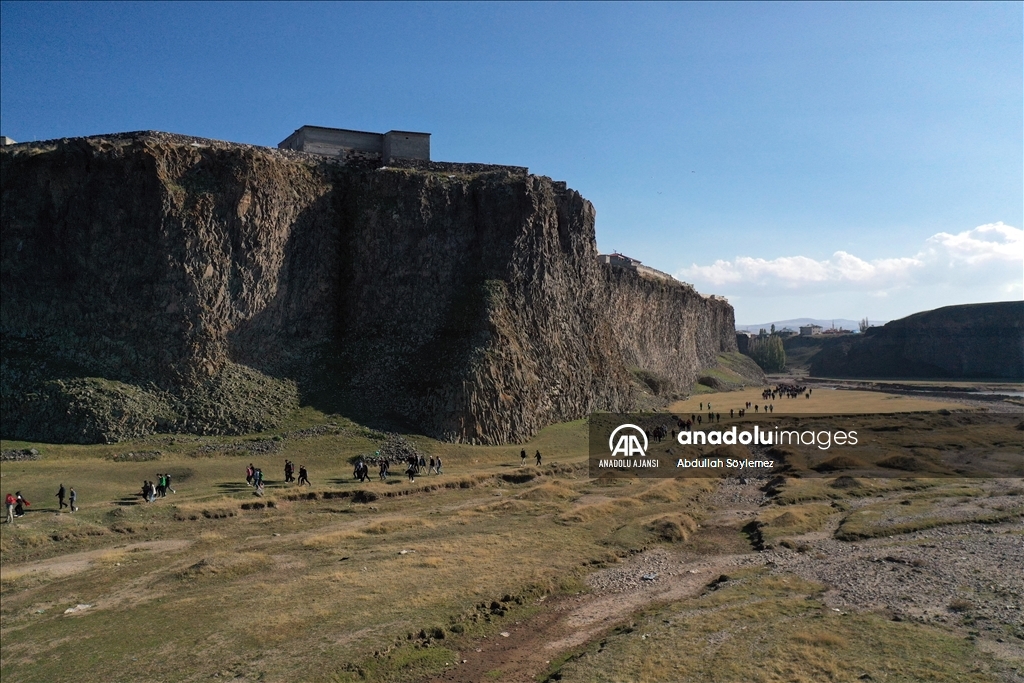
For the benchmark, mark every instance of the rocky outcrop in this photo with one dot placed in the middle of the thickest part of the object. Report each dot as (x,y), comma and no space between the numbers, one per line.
(976,341)
(664,327)
(161,283)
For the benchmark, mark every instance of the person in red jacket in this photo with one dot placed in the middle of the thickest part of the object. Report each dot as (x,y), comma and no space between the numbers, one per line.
(10,500)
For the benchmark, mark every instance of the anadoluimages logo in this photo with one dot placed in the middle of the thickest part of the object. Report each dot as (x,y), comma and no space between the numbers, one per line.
(628,445)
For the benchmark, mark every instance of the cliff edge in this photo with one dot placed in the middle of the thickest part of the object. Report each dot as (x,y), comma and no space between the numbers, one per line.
(154,282)
(974,341)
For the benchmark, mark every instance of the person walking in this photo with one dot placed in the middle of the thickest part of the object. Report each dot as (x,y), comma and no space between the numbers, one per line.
(73,499)
(10,501)
(303,476)
(61,495)
(439,464)
(20,504)
(522,454)
(538,458)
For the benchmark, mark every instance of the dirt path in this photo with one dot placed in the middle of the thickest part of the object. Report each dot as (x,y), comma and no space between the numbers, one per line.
(567,623)
(602,612)
(65,565)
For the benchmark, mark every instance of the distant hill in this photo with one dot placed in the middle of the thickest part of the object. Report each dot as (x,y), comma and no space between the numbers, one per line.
(974,341)
(795,323)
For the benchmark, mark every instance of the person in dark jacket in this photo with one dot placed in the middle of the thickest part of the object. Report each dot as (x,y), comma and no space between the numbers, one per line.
(20,504)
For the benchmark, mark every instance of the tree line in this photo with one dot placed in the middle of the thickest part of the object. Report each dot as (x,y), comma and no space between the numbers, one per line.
(768,352)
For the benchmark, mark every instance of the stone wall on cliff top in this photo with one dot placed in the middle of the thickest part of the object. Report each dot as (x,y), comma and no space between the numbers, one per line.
(153,282)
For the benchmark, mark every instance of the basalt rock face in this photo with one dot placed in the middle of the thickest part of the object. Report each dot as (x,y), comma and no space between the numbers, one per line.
(666,330)
(468,305)
(153,282)
(127,263)
(976,341)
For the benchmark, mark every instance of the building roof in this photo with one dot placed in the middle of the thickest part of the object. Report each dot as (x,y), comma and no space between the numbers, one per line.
(362,132)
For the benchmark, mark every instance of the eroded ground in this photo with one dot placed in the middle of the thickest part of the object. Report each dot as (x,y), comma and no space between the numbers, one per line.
(494,571)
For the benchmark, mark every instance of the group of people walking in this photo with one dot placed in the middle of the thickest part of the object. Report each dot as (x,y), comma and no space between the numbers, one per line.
(361,471)
(254,478)
(289,473)
(72,501)
(522,455)
(779,391)
(16,505)
(151,490)
(786,391)
(416,464)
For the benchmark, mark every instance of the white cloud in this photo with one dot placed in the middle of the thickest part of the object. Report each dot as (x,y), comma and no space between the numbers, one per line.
(991,242)
(987,257)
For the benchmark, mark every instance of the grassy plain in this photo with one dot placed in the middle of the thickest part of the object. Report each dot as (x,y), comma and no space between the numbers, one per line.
(766,629)
(823,401)
(401,581)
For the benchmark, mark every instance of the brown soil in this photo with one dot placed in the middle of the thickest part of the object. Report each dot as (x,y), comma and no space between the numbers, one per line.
(567,623)
(65,565)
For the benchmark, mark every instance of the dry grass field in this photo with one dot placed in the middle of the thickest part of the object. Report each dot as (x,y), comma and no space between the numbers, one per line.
(822,401)
(490,571)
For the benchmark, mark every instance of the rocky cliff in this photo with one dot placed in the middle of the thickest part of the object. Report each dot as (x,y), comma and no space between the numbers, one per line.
(976,341)
(153,282)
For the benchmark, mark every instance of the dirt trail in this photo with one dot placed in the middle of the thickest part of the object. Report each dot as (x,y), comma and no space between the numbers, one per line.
(567,623)
(65,565)
(602,612)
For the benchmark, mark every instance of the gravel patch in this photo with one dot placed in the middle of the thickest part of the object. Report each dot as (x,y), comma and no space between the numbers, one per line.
(19,455)
(935,575)
(963,575)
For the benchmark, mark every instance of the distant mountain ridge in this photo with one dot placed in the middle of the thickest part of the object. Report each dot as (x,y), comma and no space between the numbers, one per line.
(795,324)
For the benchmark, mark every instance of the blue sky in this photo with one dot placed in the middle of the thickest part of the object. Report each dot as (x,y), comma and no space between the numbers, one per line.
(818,160)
